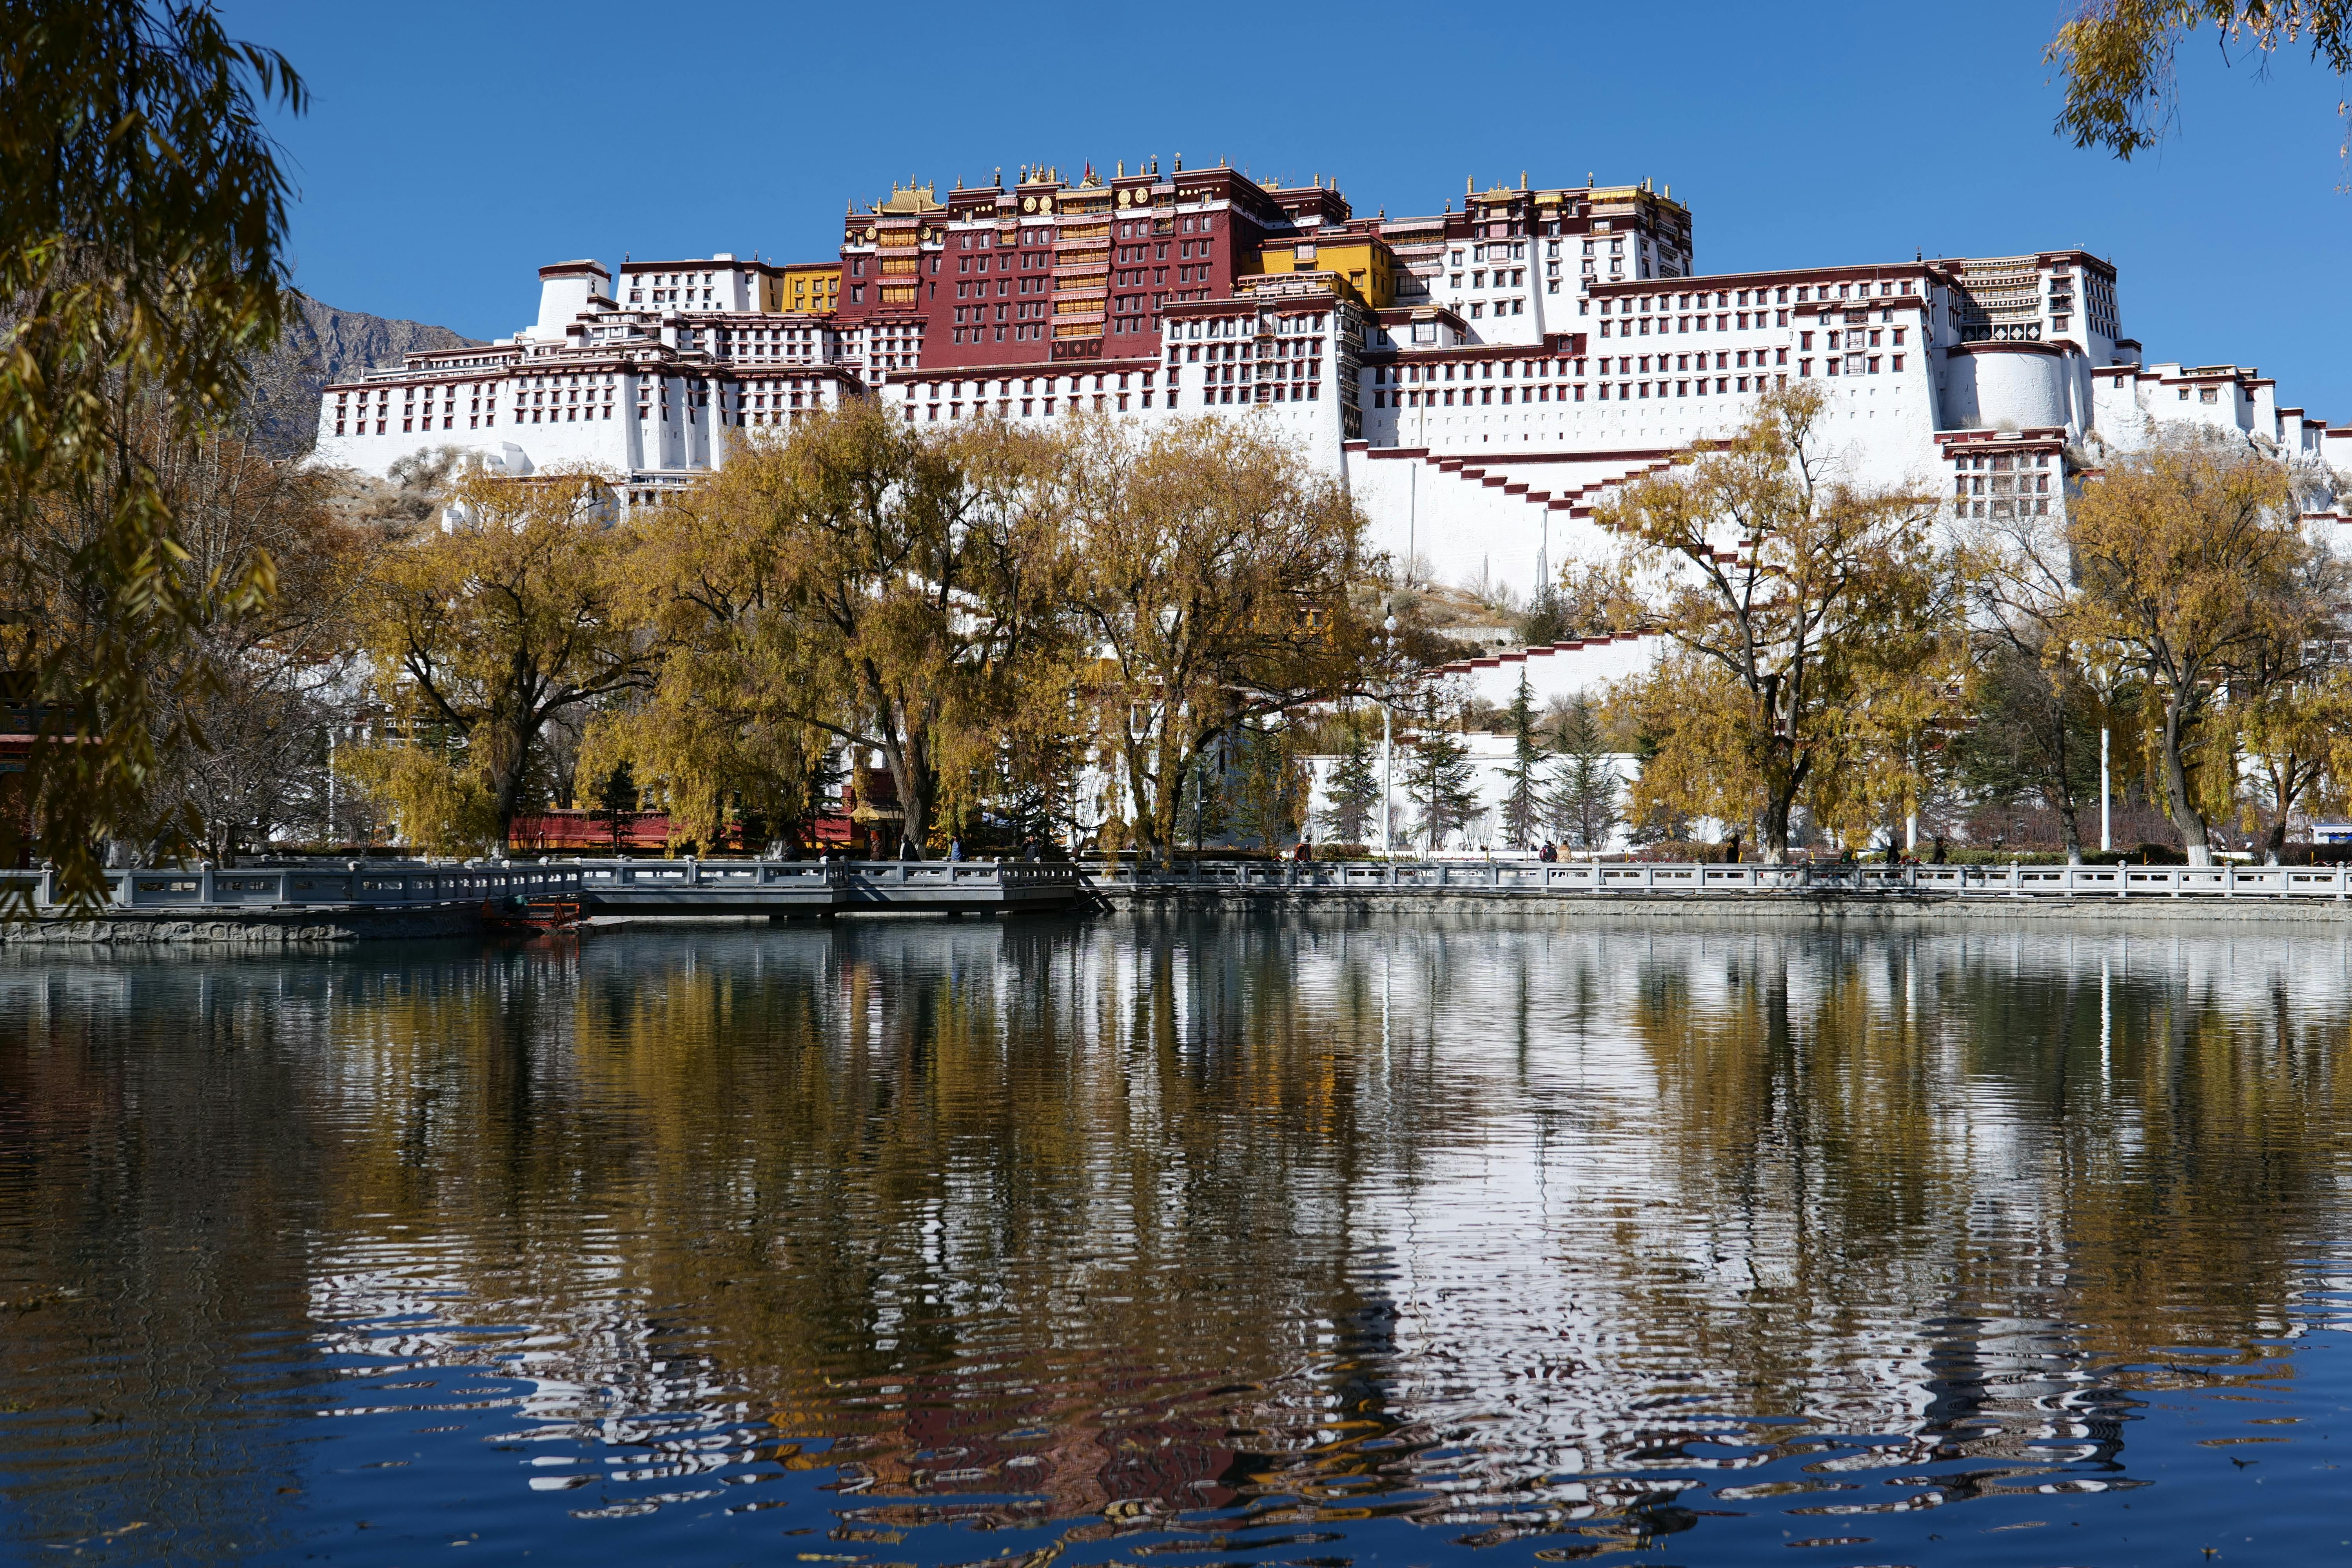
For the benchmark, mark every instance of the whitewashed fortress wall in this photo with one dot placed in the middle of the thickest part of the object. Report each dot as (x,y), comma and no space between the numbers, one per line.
(1480,377)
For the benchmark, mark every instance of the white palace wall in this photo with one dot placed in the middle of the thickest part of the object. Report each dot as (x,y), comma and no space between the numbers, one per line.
(1477,459)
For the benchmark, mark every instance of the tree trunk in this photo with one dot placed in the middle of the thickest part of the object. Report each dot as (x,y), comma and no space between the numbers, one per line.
(902,752)
(1156,817)
(906,774)
(2183,810)
(2072,833)
(509,766)
(2058,793)
(1774,829)
(2283,791)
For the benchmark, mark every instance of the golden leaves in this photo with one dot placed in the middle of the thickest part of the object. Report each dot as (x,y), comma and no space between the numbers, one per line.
(2193,573)
(2116,56)
(512,617)
(1817,620)
(141,260)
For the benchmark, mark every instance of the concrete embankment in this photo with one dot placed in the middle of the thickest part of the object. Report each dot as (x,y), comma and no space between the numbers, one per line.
(1869,909)
(241,928)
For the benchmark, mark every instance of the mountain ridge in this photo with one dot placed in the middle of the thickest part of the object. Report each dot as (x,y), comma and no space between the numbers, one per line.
(323,343)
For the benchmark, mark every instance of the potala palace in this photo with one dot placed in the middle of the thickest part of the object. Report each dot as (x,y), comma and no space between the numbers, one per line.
(1479,376)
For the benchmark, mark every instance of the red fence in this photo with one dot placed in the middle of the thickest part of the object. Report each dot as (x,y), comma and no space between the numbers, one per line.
(641,833)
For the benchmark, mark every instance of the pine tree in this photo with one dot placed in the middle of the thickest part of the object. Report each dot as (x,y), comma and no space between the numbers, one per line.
(615,802)
(1443,784)
(1580,805)
(1269,803)
(1522,799)
(1547,620)
(1202,805)
(1354,793)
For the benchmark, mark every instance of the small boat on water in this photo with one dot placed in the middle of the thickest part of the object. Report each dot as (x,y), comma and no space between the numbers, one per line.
(518,916)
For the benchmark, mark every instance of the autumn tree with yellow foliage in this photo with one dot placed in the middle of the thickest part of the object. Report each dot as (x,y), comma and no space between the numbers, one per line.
(485,634)
(849,581)
(1817,623)
(2192,569)
(1216,579)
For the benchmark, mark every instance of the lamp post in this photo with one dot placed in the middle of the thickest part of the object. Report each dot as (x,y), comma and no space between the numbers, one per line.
(1196,808)
(2106,791)
(1388,749)
(2103,681)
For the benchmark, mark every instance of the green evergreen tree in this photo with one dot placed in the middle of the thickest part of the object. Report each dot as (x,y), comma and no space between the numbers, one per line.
(1523,793)
(1353,792)
(1271,794)
(1547,620)
(1202,806)
(616,803)
(1580,805)
(1443,784)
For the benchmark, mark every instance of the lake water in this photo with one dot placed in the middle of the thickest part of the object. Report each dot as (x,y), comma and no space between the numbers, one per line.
(1183,1243)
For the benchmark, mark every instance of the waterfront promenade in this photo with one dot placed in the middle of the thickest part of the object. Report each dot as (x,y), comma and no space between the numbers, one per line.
(2015,881)
(352,901)
(329,901)
(1690,889)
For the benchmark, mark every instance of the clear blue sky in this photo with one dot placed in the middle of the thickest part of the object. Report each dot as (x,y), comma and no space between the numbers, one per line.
(454,148)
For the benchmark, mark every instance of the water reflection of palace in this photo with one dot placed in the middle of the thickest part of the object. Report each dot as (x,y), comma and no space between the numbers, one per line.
(1126,1221)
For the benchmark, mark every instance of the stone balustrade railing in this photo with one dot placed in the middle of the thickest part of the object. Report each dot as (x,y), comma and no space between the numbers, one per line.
(1636,876)
(714,884)
(360,884)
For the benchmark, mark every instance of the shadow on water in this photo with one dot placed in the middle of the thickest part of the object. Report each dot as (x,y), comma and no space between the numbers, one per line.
(1303,1241)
